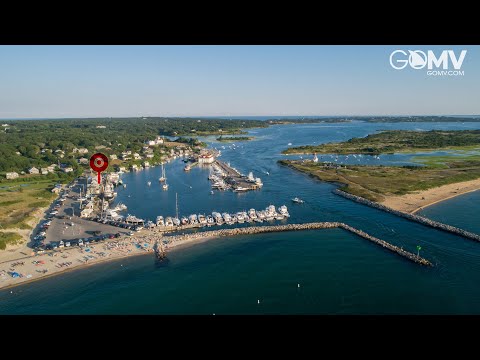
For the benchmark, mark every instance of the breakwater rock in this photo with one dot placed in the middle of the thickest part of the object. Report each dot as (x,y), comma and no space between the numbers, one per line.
(296,227)
(412,217)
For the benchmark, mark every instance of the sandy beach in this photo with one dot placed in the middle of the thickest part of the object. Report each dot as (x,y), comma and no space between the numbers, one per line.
(39,266)
(411,203)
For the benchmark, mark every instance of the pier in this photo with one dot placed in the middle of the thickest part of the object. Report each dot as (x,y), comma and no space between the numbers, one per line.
(296,227)
(420,219)
(235,179)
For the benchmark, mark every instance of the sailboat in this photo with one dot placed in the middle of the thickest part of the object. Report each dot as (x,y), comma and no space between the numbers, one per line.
(165,185)
(163,178)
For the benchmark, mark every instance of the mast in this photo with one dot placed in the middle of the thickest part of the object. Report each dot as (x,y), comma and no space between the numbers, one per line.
(176,203)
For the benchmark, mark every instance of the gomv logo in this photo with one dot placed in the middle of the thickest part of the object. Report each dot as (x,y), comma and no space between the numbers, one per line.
(417,59)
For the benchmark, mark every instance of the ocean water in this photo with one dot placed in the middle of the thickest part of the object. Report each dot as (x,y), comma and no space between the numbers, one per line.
(310,272)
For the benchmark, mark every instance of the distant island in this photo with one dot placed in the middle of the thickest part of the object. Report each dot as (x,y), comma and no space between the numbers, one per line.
(307,121)
(396,141)
(235,138)
(421,118)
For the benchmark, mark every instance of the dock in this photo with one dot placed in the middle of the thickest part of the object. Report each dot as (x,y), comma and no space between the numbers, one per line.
(235,179)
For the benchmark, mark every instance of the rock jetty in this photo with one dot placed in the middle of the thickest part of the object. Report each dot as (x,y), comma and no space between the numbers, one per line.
(412,217)
(296,227)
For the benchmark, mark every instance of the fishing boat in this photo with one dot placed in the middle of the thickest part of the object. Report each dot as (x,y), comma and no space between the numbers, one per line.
(297,200)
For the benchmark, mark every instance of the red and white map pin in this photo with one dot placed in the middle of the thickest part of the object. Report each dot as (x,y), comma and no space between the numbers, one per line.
(99,163)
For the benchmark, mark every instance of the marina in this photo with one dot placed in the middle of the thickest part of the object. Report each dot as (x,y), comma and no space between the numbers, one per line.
(315,259)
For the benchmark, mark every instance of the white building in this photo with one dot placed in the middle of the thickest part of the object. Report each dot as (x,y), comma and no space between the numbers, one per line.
(101,127)
(33,170)
(82,151)
(135,167)
(149,156)
(146,164)
(136,156)
(151,143)
(113,157)
(11,175)
(44,171)
(206,159)
(83,161)
(68,169)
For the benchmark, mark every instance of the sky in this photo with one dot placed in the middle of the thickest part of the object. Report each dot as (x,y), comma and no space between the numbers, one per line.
(115,81)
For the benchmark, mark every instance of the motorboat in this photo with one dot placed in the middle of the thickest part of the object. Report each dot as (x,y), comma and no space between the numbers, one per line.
(297,200)
(283,210)
(160,221)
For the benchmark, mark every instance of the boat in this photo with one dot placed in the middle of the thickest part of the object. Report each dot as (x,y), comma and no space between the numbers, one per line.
(240,217)
(193,219)
(184,220)
(252,214)
(162,178)
(211,192)
(289,144)
(149,224)
(187,168)
(176,221)
(261,215)
(240,189)
(149,183)
(217,217)
(210,220)
(283,210)
(133,219)
(165,186)
(168,221)
(297,200)
(202,219)
(227,218)
(124,186)
(160,221)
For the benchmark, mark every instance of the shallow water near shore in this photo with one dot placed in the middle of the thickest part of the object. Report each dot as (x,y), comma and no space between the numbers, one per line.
(338,272)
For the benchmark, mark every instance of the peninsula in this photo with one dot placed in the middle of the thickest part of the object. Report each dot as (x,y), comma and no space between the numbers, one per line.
(404,188)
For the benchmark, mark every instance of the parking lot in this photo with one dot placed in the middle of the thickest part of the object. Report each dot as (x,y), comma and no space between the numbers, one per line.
(65,224)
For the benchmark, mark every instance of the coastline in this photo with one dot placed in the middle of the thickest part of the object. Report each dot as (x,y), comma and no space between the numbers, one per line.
(46,265)
(414,202)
